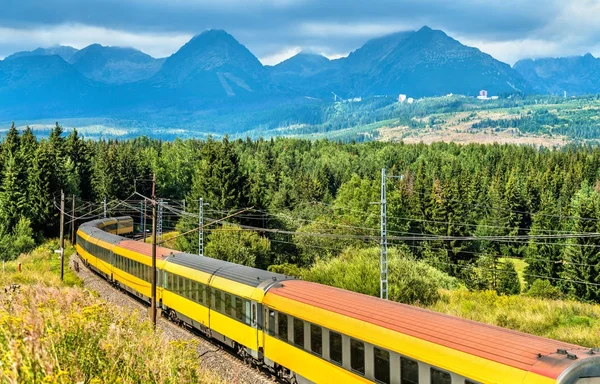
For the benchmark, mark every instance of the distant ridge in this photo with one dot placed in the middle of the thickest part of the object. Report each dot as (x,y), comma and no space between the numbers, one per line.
(575,75)
(214,71)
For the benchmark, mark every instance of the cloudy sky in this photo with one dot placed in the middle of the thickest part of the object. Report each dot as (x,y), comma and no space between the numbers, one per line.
(276,29)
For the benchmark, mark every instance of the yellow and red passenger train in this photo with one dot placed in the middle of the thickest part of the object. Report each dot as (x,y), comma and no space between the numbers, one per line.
(310,333)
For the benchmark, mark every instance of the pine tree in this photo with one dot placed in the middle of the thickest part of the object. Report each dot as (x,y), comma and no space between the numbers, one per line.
(582,254)
(544,256)
(219,179)
(12,197)
(43,188)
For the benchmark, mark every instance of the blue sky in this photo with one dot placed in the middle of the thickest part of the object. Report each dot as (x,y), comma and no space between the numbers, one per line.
(276,29)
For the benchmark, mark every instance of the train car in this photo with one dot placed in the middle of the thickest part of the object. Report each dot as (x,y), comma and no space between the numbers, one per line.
(331,335)
(310,333)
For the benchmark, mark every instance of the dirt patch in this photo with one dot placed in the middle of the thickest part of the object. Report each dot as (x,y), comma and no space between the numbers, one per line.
(411,136)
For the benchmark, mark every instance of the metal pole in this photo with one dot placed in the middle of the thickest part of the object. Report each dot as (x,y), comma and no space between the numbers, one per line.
(144,230)
(160,219)
(383,262)
(200,229)
(184,205)
(62,235)
(73,222)
(105,207)
(141,216)
(153,304)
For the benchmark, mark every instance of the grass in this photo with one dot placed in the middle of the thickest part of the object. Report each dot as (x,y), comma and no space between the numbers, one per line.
(569,321)
(40,266)
(55,332)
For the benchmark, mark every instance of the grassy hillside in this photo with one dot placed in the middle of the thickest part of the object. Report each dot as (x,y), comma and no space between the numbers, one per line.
(568,321)
(61,333)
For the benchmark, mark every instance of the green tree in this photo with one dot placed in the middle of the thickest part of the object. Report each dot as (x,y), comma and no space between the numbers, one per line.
(12,196)
(43,188)
(544,256)
(233,244)
(218,178)
(508,279)
(581,254)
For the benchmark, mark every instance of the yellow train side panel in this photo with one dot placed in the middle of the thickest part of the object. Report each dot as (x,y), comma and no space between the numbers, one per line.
(241,333)
(186,307)
(297,360)
(464,364)
(238,289)
(124,230)
(132,282)
(192,274)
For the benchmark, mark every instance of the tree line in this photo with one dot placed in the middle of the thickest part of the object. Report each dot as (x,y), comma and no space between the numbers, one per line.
(480,206)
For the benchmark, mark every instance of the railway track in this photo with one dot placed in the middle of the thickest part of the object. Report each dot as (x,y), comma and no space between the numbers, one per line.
(212,356)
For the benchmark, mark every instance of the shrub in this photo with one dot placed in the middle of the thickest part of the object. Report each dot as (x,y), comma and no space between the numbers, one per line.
(543,289)
(357,270)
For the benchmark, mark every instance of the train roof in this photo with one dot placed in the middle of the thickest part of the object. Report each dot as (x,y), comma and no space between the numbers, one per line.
(512,348)
(230,271)
(239,273)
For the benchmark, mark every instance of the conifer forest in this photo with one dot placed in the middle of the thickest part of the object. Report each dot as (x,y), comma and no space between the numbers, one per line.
(485,217)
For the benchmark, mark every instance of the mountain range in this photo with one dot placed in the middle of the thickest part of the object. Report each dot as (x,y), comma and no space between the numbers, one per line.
(214,72)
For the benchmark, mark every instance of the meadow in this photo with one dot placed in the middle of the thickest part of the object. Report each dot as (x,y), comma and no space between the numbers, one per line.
(55,332)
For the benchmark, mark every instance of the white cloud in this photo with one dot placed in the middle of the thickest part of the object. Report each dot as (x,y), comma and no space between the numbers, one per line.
(80,36)
(367,30)
(280,56)
(514,50)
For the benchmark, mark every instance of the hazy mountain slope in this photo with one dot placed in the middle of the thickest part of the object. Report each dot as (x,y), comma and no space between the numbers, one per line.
(115,65)
(46,86)
(427,63)
(575,75)
(65,52)
(212,65)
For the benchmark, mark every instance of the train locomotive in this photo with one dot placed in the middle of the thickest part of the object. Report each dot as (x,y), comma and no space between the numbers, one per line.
(310,333)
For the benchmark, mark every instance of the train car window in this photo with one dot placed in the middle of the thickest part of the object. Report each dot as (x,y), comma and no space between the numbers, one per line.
(194,291)
(201,293)
(218,301)
(169,281)
(180,285)
(247,312)
(228,305)
(271,323)
(299,332)
(381,361)
(357,356)
(316,339)
(239,309)
(335,347)
(467,381)
(282,328)
(409,371)
(188,288)
(440,377)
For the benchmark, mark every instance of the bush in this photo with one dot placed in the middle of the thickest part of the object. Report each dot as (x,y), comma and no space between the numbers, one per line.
(236,245)
(18,242)
(410,281)
(288,270)
(543,289)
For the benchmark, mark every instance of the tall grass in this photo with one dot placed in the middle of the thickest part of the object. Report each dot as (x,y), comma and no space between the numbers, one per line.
(54,333)
(569,321)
